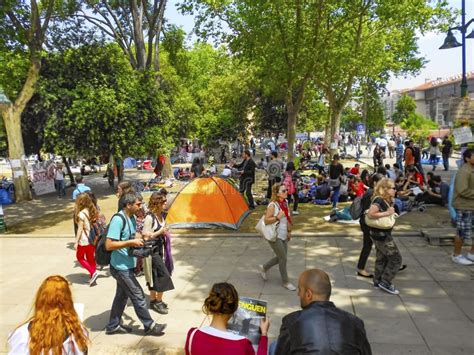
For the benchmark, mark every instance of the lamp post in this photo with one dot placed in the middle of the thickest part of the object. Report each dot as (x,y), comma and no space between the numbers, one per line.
(451,42)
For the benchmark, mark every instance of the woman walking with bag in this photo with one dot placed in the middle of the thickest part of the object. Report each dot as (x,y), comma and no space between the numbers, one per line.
(86,215)
(157,273)
(380,219)
(277,213)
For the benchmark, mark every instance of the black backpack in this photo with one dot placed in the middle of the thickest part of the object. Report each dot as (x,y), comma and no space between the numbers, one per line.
(102,255)
(355,210)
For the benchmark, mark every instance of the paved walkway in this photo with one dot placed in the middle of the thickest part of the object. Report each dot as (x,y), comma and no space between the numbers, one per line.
(434,313)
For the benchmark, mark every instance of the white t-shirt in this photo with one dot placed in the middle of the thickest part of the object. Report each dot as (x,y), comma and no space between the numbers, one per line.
(18,342)
(383,142)
(59,175)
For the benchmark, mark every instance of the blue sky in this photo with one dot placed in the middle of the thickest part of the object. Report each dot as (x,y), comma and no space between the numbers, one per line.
(441,63)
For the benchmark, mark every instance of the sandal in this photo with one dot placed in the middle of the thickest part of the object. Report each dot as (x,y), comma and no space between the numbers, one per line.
(369,276)
(403,267)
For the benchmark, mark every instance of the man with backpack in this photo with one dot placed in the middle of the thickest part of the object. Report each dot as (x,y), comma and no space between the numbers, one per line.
(121,237)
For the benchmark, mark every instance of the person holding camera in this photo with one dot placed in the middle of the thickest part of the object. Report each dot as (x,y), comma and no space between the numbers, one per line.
(120,238)
(157,275)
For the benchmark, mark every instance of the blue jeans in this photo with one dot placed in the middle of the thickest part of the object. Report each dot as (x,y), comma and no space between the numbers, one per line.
(60,187)
(273,347)
(335,195)
(433,161)
(128,287)
(400,163)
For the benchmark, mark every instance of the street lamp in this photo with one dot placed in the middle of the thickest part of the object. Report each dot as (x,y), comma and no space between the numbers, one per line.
(451,42)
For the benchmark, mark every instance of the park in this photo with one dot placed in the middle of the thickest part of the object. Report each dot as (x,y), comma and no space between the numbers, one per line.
(170,166)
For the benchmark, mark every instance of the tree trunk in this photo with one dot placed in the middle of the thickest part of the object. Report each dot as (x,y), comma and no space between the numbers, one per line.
(16,152)
(334,126)
(69,172)
(291,132)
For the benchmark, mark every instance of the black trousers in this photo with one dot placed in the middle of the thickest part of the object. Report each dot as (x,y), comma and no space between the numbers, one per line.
(271,182)
(245,186)
(295,199)
(366,246)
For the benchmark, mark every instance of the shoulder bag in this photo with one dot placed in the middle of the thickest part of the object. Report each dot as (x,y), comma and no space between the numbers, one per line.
(385,223)
(268,231)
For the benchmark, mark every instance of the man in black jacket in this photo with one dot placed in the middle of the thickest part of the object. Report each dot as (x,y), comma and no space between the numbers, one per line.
(247,178)
(320,328)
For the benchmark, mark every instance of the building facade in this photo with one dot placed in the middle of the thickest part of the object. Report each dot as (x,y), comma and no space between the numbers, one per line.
(434,98)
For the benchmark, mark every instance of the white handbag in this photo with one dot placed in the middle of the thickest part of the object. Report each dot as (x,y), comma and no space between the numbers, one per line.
(268,231)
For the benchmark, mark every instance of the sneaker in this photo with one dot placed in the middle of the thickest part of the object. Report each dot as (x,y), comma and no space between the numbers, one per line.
(387,287)
(461,260)
(93,279)
(156,330)
(289,286)
(159,307)
(470,256)
(120,329)
(295,213)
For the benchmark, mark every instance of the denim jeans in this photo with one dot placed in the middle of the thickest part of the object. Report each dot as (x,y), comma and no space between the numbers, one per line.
(335,195)
(400,162)
(128,287)
(60,187)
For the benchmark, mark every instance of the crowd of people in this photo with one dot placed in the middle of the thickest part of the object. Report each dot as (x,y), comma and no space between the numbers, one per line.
(319,327)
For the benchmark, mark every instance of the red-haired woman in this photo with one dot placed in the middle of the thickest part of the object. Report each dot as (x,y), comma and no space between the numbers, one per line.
(85,214)
(55,327)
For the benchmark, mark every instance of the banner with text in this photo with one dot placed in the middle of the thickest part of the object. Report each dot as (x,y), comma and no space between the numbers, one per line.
(43,177)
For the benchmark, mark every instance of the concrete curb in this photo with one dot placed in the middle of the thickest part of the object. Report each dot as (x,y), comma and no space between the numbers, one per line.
(237,235)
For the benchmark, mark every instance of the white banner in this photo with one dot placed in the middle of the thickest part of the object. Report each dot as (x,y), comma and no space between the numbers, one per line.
(43,177)
(462,135)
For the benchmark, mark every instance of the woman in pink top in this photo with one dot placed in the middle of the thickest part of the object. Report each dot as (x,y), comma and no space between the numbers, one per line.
(221,303)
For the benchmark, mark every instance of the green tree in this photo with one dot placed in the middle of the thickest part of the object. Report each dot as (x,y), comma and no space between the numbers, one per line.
(418,127)
(23,27)
(336,43)
(94,103)
(282,37)
(405,107)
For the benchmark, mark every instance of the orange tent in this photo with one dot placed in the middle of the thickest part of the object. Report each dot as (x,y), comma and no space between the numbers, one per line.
(207,202)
